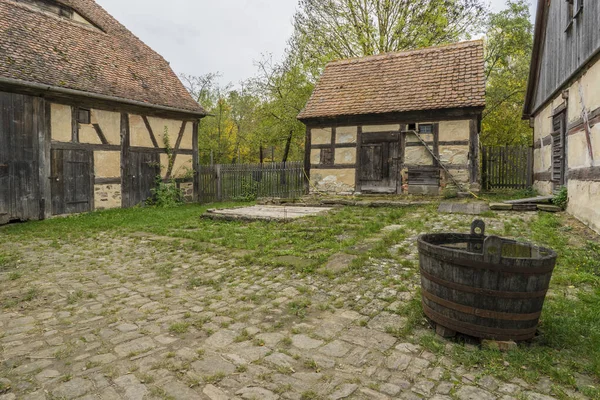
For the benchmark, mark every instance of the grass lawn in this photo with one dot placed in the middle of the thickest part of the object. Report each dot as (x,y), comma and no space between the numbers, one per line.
(567,350)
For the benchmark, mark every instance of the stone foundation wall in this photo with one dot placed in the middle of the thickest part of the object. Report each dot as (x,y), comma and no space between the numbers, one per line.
(107,196)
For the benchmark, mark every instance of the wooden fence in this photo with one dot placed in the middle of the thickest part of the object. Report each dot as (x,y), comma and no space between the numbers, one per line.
(248,181)
(506,167)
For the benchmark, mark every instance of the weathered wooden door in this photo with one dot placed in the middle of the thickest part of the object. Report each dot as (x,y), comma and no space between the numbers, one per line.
(21,119)
(4,175)
(140,177)
(559,151)
(72,181)
(379,170)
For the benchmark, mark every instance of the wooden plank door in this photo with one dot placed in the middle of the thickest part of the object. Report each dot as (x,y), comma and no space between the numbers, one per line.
(72,181)
(140,176)
(4,174)
(379,163)
(19,153)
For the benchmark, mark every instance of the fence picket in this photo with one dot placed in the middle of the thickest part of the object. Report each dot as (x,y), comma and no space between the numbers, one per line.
(229,182)
(506,167)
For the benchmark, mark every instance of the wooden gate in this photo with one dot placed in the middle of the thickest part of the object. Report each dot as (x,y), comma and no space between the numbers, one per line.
(22,118)
(72,181)
(506,167)
(140,177)
(379,161)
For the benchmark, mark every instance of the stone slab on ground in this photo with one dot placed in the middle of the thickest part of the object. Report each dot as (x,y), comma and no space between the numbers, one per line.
(501,207)
(265,213)
(338,263)
(549,208)
(463,208)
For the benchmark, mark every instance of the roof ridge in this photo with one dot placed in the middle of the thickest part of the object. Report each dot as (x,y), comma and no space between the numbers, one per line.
(405,53)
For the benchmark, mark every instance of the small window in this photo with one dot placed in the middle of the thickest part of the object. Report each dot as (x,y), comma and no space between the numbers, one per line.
(412,127)
(83,116)
(326,157)
(425,128)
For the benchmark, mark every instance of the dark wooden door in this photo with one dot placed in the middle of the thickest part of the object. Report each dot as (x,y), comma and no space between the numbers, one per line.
(140,177)
(20,122)
(559,151)
(72,181)
(4,176)
(379,163)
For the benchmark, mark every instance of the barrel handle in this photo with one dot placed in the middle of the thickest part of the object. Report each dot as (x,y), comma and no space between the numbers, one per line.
(492,250)
(478,228)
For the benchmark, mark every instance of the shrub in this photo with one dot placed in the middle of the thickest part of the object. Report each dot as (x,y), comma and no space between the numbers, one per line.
(166,194)
(561,199)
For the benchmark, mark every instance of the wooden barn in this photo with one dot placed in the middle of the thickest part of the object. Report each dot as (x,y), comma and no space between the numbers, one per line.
(84,110)
(404,122)
(563,103)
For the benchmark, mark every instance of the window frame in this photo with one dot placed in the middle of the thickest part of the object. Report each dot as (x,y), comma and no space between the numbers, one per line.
(425,133)
(87,120)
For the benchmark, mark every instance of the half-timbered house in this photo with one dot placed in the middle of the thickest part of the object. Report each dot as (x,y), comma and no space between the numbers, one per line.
(404,122)
(563,103)
(85,111)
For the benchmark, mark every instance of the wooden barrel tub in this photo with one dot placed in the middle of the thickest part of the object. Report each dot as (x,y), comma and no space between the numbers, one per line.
(484,286)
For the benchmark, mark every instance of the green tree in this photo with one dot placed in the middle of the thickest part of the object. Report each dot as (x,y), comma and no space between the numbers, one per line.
(284,89)
(508,54)
(333,29)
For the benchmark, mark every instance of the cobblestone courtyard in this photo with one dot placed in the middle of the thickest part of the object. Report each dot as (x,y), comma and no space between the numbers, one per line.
(137,315)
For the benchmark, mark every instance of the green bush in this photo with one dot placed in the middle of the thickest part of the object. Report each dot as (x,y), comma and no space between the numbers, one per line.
(561,199)
(166,194)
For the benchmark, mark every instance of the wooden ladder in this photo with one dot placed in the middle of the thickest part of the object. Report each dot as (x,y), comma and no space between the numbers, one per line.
(424,143)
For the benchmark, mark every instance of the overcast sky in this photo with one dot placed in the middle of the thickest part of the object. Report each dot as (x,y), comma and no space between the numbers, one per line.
(202,36)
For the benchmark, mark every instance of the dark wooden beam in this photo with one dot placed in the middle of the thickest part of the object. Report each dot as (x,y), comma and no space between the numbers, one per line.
(150,131)
(74,125)
(44,132)
(337,146)
(547,142)
(336,166)
(100,134)
(591,174)
(474,151)
(196,160)
(357,183)
(125,145)
(395,117)
(542,176)
(107,181)
(307,165)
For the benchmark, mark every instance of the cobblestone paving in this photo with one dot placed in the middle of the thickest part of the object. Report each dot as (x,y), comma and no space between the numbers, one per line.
(139,317)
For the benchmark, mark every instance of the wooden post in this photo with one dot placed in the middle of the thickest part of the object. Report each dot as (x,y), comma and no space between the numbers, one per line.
(219,182)
(307,150)
(125,143)
(357,186)
(196,160)
(45,172)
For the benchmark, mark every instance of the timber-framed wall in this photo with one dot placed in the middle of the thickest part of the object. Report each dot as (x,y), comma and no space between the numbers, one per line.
(87,155)
(340,151)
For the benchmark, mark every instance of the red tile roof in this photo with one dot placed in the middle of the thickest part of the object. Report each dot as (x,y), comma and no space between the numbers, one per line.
(434,78)
(43,48)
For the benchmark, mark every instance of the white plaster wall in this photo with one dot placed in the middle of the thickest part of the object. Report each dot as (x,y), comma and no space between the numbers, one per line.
(454,130)
(321,136)
(346,134)
(584,202)
(590,82)
(60,122)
